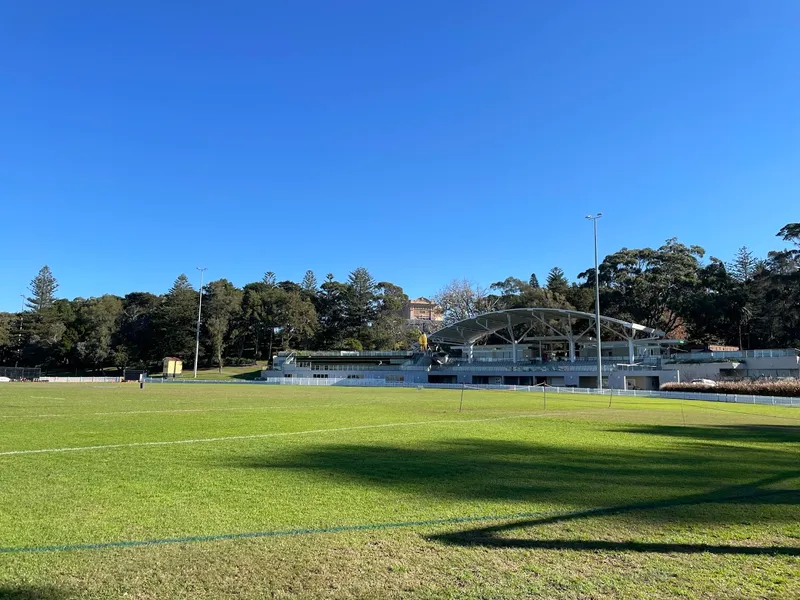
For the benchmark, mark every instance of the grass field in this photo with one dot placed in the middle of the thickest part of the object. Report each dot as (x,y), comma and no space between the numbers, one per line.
(246,373)
(250,372)
(384,493)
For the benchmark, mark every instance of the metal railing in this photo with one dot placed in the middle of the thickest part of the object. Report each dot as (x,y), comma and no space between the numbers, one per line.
(589,360)
(520,367)
(347,353)
(578,359)
(283,359)
(351,367)
(725,355)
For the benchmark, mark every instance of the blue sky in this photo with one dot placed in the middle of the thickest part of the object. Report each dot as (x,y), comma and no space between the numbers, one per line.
(424,140)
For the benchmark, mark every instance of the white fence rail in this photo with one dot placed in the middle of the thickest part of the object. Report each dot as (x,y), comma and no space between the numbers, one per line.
(731,398)
(80,379)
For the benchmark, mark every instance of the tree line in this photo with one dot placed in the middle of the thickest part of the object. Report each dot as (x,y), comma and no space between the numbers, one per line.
(749,302)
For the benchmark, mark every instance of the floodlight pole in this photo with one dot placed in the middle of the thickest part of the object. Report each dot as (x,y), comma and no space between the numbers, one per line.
(593,219)
(19,335)
(199,309)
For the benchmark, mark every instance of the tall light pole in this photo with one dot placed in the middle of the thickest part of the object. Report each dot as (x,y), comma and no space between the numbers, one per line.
(19,335)
(593,219)
(199,310)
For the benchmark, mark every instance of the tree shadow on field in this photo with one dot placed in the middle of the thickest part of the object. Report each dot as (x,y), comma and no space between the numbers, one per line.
(710,483)
(27,592)
(249,376)
(776,434)
(752,494)
(576,477)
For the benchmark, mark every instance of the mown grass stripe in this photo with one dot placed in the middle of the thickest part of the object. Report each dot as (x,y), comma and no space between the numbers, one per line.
(273,435)
(182,410)
(265,534)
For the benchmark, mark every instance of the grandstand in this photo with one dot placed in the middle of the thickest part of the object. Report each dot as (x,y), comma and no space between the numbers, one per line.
(525,346)
(530,346)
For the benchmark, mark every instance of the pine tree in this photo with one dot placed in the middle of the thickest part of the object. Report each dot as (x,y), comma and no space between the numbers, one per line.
(43,288)
(181,284)
(743,266)
(176,319)
(362,281)
(360,301)
(534,281)
(270,279)
(557,282)
(309,283)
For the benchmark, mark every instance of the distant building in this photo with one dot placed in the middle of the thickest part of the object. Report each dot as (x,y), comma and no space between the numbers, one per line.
(714,348)
(423,309)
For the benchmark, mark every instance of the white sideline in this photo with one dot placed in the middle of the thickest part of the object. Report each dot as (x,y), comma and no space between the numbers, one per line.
(278,434)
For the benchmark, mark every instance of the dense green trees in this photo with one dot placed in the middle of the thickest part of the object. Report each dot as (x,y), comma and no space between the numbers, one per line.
(649,286)
(175,319)
(7,354)
(749,302)
(224,302)
(100,320)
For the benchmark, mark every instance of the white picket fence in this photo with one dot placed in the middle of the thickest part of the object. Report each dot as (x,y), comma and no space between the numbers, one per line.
(732,398)
(80,379)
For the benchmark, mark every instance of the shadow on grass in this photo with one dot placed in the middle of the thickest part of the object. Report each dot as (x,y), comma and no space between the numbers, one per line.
(249,376)
(711,483)
(25,592)
(715,481)
(469,539)
(723,433)
(752,494)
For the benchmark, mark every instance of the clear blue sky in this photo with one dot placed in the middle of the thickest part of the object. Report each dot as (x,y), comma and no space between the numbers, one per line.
(425,140)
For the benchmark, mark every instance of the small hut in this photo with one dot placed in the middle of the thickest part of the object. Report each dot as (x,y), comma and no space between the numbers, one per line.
(172,366)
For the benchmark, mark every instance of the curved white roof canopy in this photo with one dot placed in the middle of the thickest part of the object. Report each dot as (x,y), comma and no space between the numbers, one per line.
(559,323)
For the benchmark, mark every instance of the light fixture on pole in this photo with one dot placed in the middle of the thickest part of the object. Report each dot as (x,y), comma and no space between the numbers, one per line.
(199,310)
(594,218)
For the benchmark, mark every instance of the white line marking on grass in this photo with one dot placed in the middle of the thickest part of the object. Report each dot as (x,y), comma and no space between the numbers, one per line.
(46,398)
(277,434)
(181,410)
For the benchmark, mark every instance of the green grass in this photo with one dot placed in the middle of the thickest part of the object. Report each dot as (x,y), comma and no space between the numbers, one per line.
(250,372)
(247,373)
(646,499)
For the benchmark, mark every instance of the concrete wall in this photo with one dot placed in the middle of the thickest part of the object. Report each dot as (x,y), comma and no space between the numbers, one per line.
(416,376)
(698,370)
(781,366)
(583,379)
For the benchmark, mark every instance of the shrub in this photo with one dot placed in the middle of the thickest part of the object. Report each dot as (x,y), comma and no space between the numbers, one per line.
(787,388)
(241,362)
(352,344)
